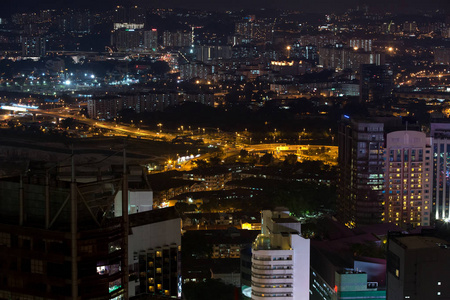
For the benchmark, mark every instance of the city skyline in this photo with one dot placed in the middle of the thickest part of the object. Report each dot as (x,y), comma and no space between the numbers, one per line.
(9,7)
(222,150)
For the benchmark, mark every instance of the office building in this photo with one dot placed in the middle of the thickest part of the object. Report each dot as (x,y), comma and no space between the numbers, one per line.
(280,259)
(408,179)
(361,178)
(376,83)
(417,267)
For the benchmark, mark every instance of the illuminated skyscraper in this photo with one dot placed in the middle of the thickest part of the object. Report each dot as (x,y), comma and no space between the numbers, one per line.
(408,187)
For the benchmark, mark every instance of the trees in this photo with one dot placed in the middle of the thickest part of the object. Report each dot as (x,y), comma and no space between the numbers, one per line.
(291,159)
(266,159)
(68,122)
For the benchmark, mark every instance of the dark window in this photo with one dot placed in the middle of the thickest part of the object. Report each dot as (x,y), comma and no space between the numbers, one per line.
(25,265)
(393,264)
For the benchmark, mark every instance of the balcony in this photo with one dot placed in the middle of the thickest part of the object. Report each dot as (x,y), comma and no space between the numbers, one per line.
(272,272)
(272,297)
(272,290)
(271,280)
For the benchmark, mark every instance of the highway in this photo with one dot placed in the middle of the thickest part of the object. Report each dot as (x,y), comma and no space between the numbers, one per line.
(220,140)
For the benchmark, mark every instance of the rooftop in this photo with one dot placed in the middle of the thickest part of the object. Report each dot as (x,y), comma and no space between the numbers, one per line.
(285,220)
(420,242)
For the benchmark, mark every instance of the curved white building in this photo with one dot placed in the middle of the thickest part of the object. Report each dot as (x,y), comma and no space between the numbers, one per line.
(280,259)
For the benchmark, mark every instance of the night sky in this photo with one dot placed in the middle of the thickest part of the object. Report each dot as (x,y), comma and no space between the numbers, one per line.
(10,6)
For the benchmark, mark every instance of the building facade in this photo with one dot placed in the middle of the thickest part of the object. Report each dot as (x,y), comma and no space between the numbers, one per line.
(361,176)
(376,83)
(280,259)
(109,107)
(417,267)
(440,134)
(408,179)
(33,46)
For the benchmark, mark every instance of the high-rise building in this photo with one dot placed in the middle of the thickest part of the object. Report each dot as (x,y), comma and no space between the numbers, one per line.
(109,107)
(155,253)
(440,134)
(417,267)
(361,177)
(376,83)
(255,30)
(209,53)
(33,46)
(75,21)
(62,239)
(177,39)
(125,39)
(151,40)
(196,70)
(410,27)
(442,56)
(280,259)
(340,57)
(358,43)
(308,52)
(408,179)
